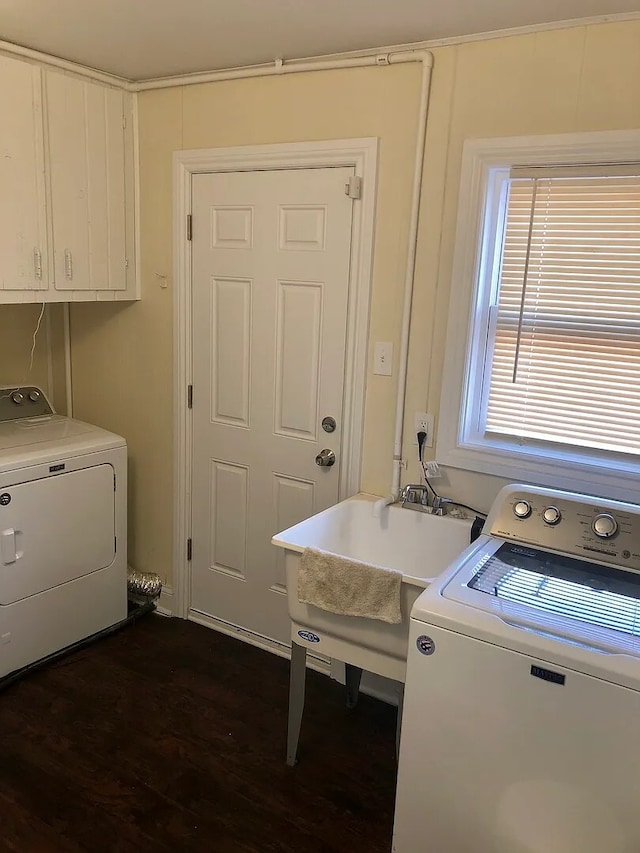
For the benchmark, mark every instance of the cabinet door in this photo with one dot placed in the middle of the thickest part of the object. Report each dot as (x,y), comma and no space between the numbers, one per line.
(23,230)
(87,172)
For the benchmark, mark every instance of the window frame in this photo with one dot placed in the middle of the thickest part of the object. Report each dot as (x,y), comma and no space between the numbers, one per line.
(460,443)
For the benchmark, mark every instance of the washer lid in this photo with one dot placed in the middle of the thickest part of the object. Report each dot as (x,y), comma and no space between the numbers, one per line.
(564,596)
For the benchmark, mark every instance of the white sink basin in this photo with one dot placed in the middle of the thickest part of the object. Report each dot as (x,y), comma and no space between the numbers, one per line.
(418,544)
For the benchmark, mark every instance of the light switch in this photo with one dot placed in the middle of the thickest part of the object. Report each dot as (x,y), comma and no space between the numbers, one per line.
(383,358)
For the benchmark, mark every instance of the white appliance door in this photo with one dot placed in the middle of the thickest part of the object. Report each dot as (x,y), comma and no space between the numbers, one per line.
(503,753)
(54,530)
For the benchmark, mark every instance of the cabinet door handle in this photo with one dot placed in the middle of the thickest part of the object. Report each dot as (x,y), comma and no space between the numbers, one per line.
(68,264)
(37,263)
(8,546)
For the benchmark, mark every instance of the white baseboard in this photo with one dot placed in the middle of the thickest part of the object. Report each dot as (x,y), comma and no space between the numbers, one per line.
(164,605)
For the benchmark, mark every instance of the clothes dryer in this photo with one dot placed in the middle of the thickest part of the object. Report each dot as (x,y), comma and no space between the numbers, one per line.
(63,549)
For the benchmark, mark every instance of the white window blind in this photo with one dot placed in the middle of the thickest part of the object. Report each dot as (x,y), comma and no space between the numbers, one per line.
(563,357)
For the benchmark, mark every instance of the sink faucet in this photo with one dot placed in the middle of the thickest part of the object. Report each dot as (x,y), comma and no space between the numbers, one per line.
(417,496)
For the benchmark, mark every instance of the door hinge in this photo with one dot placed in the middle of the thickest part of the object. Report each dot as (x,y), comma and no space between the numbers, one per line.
(189,548)
(190,397)
(189,226)
(354,187)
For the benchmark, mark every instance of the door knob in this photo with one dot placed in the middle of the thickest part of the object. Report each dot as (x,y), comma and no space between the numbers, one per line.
(326,458)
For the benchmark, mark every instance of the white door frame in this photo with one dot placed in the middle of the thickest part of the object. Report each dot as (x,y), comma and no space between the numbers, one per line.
(362,154)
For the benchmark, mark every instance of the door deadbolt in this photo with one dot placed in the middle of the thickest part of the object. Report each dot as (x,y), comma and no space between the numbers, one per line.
(329,424)
(326,458)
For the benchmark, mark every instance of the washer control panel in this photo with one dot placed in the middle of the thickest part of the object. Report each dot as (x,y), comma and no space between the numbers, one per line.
(23,401)
(567,522)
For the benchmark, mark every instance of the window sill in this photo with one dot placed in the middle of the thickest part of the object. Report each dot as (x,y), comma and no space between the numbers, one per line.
(588,476)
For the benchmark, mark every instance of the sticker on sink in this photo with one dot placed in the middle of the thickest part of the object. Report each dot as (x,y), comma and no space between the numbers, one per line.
(309,636)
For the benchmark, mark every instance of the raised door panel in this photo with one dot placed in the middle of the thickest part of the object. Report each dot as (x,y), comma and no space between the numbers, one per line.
(87,165)
(23,233)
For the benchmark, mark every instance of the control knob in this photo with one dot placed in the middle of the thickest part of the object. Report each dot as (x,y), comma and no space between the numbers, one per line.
(551,515)
(522,509)
(604,525)
(34,395)
(17,397)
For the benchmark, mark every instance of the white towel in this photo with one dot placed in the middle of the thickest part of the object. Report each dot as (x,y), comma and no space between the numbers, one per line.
(349,587)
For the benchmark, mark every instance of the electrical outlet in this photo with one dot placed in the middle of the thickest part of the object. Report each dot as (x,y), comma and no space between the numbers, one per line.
(423,422)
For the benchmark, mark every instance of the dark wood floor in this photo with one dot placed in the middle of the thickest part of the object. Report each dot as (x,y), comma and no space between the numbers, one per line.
(169,736)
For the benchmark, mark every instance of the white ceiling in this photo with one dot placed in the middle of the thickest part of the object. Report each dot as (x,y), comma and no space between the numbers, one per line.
(141,39)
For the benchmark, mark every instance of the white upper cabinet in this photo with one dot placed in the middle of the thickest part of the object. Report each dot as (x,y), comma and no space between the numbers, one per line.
(74,168)
(86,133)
(23,224)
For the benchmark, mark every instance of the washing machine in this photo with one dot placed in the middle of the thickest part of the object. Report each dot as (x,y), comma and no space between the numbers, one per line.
(521,723)
(63,549)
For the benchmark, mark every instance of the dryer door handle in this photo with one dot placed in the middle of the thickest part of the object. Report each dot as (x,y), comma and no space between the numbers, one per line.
(8,546)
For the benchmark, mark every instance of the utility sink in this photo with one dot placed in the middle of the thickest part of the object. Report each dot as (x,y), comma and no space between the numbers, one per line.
(418,544)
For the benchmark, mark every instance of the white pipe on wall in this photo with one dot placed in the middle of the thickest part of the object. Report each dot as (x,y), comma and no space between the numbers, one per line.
(68,384)
(272,69)
(49,345)
(427,65)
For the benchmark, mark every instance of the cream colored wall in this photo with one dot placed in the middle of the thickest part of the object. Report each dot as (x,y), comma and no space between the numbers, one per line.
(122,355)
(17,326)
(585,78)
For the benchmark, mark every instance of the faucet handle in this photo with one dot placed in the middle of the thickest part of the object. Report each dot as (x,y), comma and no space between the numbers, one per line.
(439,506)
(415,494)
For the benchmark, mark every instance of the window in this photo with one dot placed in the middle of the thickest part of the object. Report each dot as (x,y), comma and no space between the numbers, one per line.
(548,384)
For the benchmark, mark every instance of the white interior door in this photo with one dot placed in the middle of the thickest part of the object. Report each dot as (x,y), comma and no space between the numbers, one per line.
(270,254)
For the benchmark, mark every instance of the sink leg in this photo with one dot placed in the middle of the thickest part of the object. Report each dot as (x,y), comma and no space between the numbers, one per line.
(399,720)
(297,678)
(353,674)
